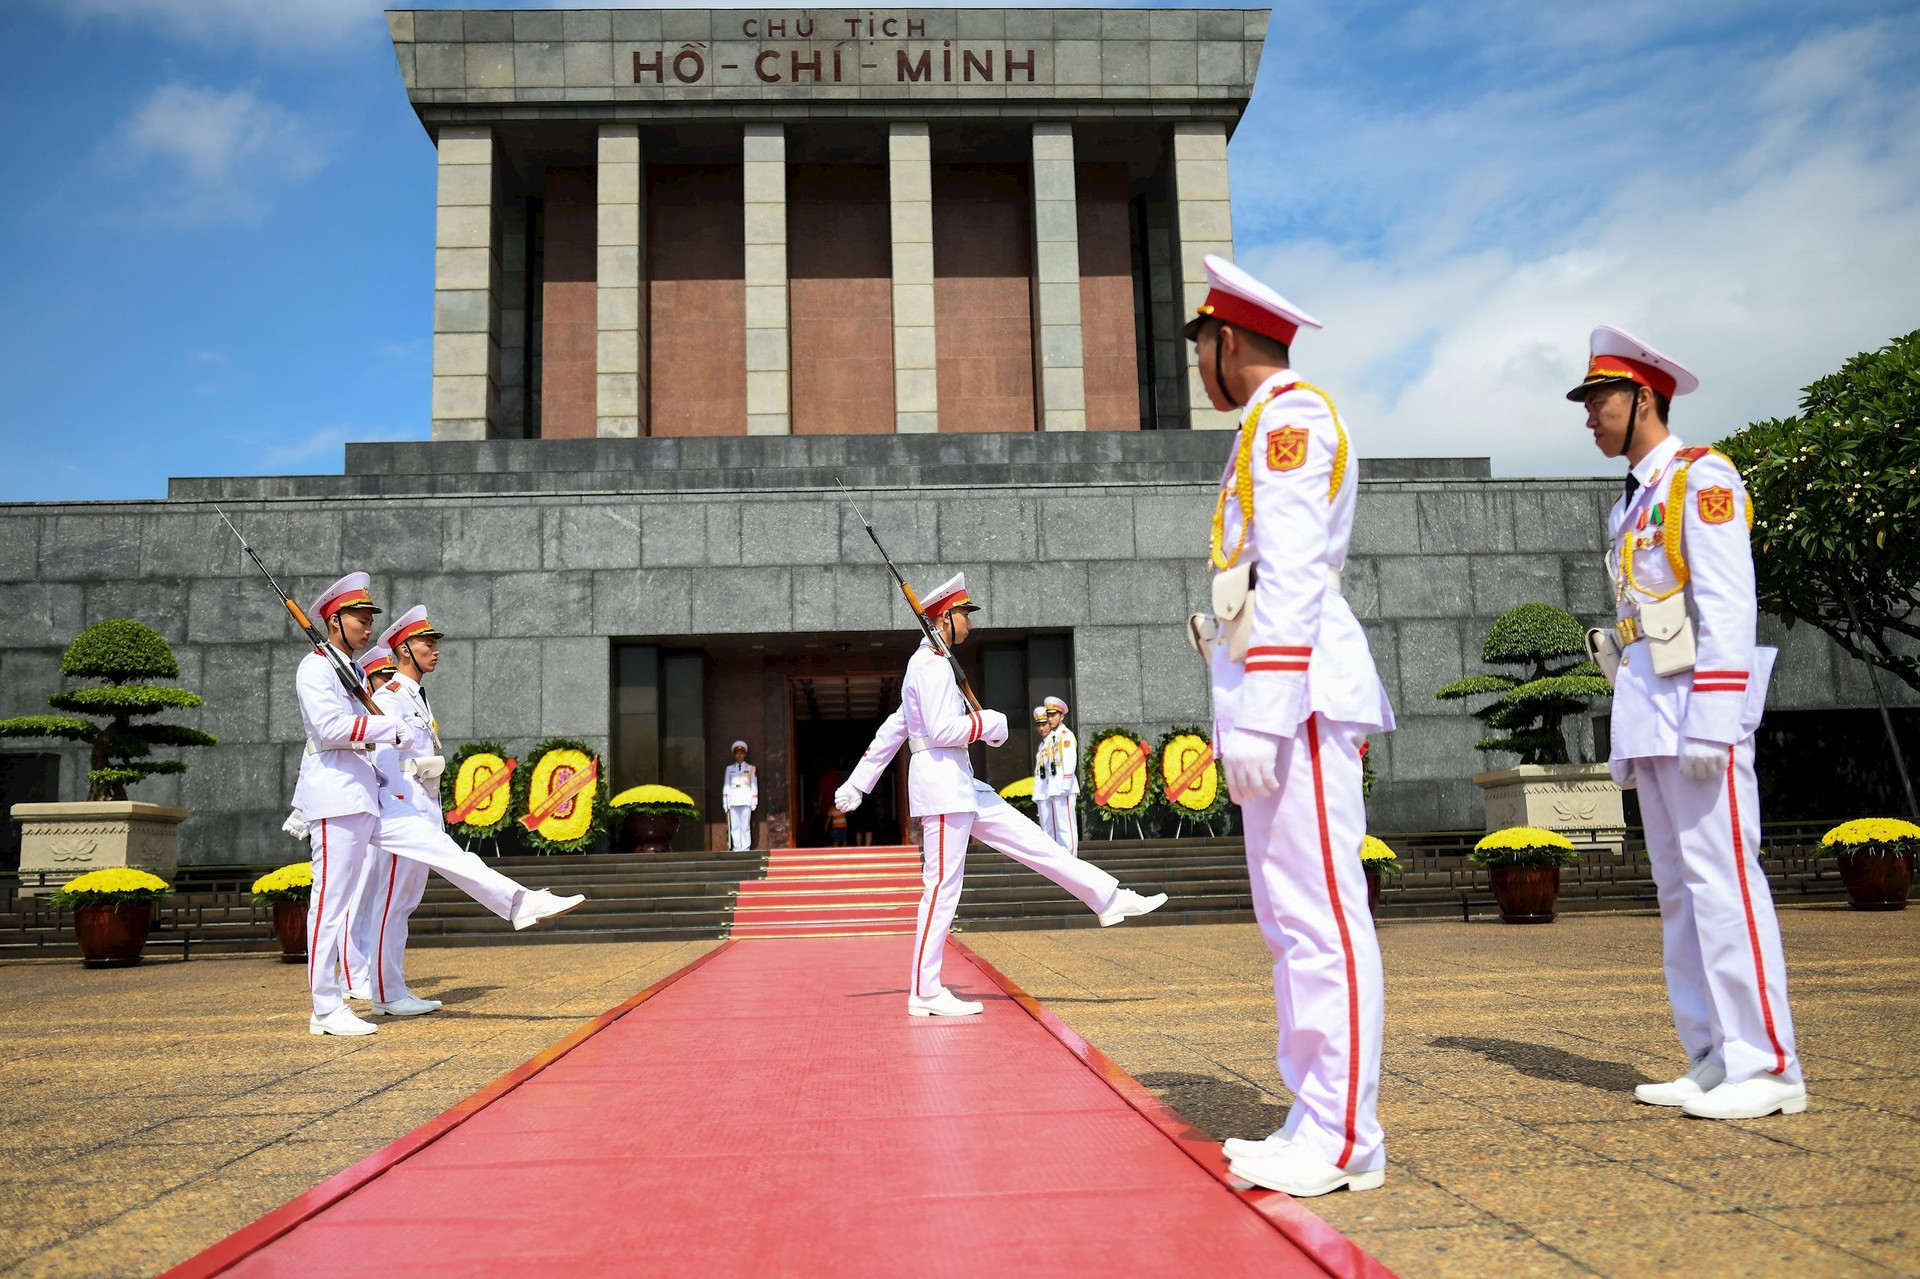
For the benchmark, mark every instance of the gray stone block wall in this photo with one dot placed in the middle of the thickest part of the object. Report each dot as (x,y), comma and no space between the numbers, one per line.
(532,589)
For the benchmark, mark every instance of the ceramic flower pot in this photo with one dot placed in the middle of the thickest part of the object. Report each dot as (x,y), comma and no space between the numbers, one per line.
(112,934)
(652,832)
(1373,890)
(1876,880)
(290,926)
(1527,894)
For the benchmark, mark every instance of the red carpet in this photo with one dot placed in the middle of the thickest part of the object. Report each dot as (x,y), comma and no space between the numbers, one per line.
(831,892)
(771,1110)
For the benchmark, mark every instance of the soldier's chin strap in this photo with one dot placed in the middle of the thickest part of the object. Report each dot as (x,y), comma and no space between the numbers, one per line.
(1219,375)
(1626,444)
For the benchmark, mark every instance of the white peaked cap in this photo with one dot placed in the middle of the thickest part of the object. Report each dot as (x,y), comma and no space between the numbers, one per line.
(738,746)
(1039,712)
(411,624)
(949,595)
(378,655)
(349,592)
(1615,355)
(1055,704)
(1235,297)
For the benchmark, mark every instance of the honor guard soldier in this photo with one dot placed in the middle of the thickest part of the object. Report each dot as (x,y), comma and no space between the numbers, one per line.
(1689,688)
(337,799)
(1063,786)
(740,790)
(376,668)
(937,724)
(1042,784)
(1294,696)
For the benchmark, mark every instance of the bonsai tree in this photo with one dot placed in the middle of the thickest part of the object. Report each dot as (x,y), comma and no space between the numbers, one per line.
(1549,646)
(122,654)
(1836,493)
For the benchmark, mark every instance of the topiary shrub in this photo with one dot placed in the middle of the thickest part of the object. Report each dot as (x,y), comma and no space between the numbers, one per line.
(121,653)
(1529,708)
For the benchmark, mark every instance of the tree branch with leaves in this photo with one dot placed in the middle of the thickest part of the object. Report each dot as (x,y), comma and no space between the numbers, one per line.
(1529,708)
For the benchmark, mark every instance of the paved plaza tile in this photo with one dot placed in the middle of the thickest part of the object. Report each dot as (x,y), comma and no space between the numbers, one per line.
(1514,1142)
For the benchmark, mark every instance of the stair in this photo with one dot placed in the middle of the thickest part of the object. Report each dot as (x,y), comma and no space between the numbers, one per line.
(831,892)
(814,892)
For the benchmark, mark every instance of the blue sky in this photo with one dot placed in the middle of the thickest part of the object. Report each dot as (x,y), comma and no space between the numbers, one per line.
(216,257)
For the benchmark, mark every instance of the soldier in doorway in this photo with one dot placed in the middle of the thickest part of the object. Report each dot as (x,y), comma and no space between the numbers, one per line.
(1690,685)
(740,792)
(1295,694)
(937,724)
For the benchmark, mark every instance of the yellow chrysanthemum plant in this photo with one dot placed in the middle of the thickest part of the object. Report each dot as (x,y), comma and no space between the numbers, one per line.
(476,791)
(560,796)
(1020,792)
(1376,856)
(112,886)
(1190,781)
(1525,846)
(654,798)
(290,883)
(1873,835)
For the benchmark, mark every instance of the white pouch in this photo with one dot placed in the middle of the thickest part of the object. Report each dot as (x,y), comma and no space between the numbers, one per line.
(1669,632)
(1200,635)
(1603,649)
(1233,609)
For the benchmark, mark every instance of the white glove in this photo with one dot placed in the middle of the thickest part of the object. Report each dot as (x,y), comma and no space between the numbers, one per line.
(1702,761)
(848,797)
(295,825)
(1249,760)
(1622,773)
(993,728)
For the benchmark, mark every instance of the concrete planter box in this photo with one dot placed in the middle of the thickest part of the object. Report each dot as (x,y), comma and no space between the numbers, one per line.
(1578,800)
(60,841)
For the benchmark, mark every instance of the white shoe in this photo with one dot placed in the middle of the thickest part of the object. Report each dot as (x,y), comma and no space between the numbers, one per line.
(1293,1171)
(340,1021)
(537,904)
(1704,1077)
(1748,1099)
(354,992)
(944,1004)
(1240,1147)
(405,1006)
(1127,904)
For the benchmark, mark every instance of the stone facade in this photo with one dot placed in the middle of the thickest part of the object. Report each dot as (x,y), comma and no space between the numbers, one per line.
(1100,533)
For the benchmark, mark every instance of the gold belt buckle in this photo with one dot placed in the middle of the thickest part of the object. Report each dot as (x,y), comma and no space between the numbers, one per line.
(1628,629)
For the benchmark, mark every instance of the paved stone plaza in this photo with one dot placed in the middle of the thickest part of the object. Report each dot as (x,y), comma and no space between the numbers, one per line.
(146,1113)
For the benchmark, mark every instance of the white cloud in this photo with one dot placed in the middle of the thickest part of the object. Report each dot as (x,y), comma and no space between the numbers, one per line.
(216,155)
(1758,217)
(290,24)
(329,442)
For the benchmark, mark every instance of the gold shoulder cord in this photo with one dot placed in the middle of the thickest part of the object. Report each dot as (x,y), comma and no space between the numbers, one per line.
(1242,487)
(1672,531)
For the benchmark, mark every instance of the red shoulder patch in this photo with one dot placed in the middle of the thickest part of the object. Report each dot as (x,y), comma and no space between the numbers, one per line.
(1693,454)
(1716,505)
(393,686)
(1286,448)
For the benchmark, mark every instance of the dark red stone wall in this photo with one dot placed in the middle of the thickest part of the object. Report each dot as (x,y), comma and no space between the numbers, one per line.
(568,307)
(1106,299)
(840,299)
(697,300)
(982,302)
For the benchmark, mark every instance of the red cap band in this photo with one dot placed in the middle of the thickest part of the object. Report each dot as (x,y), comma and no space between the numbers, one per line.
(352,599)
(1231,309)
(1603,366)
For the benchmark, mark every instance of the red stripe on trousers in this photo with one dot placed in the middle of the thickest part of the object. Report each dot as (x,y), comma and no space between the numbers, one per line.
(380,946)
(1346,941)
(322,912)
(1753,929)
(920,951)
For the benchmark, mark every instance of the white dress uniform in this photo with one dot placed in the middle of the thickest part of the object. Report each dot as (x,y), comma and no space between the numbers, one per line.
(337,796)
(1684,532)
(1307,678)
(1063,786)
(1042,780)
(936,723)
(740,789)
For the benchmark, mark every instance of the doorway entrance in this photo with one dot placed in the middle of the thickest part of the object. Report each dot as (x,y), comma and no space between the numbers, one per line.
(834,717)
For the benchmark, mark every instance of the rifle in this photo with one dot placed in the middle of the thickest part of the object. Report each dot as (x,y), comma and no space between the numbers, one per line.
(355,686)
(913,602)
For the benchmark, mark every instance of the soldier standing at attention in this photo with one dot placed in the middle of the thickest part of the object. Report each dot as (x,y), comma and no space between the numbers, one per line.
(740,792)
(1042,782)
(1063,788)
(937,724)
(1689,689)
(1294,695)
